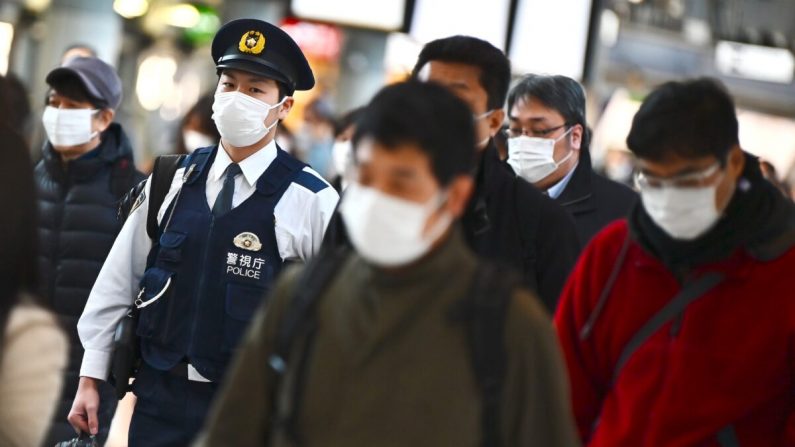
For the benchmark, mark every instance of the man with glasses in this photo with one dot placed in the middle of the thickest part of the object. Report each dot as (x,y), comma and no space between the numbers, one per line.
(677,325)
(548,145)
(507,220)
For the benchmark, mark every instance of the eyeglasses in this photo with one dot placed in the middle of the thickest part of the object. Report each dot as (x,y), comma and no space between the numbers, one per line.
(515,132)
(692,180)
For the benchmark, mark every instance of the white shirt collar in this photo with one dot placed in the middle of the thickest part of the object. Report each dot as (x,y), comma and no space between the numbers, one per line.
(556,190)
(252,167)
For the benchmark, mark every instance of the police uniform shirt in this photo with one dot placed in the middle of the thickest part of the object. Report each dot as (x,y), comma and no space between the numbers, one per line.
(301,218)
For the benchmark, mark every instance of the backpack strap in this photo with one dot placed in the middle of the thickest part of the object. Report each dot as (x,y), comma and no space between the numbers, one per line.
(587,328)
(299,320)
(162,176)
(487,309)
(690,292)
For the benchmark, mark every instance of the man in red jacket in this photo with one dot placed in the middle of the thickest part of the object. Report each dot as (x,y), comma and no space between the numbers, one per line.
(678,325)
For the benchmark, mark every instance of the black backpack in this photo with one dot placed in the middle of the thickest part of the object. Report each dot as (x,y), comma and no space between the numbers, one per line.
(162,175)
(483,312)
(126,354)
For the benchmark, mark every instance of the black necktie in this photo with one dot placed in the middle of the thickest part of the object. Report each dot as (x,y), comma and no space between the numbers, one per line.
(223,203)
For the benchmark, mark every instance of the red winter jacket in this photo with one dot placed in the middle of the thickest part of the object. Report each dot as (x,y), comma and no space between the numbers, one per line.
(726,364)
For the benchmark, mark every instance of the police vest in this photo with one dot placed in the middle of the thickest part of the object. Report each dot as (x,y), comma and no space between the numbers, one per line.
(207,275)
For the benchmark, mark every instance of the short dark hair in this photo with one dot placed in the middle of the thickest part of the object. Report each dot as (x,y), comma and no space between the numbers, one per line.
(495,67)
(427,115)
(557,92)
(73,88)
(691,119)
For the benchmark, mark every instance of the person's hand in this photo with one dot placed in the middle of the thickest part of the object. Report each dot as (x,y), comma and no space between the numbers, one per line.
(83,415)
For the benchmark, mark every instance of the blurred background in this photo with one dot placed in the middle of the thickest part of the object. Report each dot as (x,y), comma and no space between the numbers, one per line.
(619,49)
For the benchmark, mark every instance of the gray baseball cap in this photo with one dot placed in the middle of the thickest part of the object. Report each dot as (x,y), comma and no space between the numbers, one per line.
(99,79)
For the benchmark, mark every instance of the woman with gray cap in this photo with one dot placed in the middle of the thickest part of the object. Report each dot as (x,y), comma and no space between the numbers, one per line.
(234,214)
(87,166)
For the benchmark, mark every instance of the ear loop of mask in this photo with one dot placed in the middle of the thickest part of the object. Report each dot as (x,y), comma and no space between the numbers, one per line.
(571,150)
(443,221)
(275,123)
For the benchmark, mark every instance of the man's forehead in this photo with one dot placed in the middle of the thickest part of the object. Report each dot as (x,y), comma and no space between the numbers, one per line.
(674,164)
(530,108)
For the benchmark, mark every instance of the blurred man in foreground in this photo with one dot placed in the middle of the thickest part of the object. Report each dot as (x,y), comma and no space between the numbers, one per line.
(379,347)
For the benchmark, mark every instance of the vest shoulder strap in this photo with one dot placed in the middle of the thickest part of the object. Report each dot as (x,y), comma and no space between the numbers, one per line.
(282,171)
(162,175)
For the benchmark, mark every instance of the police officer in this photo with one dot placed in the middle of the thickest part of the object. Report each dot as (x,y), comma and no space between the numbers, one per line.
(235,213)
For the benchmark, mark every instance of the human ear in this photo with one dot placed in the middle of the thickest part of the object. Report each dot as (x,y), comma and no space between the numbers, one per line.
(495,121)
(285,108)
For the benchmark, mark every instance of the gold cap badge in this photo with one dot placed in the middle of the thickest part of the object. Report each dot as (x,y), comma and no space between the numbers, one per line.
(252,42)
(248,241)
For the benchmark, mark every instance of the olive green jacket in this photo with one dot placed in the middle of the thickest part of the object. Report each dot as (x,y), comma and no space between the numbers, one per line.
(390,367)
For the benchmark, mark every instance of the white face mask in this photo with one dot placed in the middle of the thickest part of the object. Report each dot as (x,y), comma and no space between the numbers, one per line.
(533,158)
(342,156)
(68,127)
(683,213)
(241,119)
(387,231)
(196,140)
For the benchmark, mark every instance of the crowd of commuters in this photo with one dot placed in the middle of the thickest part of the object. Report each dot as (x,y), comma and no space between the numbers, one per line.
(465,277)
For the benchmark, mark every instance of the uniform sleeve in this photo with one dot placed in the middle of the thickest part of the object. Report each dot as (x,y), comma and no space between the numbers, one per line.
(249,382)
(116,286)
(31,376)
(302,216)
(587,378)
(537,407)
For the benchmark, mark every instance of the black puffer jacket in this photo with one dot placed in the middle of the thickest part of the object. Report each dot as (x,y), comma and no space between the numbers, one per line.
(77,227)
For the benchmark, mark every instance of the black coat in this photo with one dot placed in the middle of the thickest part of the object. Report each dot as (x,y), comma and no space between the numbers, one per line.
(594,201)
(510,221)
(77,227)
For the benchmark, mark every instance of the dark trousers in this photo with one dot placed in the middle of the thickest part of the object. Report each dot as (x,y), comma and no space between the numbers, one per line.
(169,411)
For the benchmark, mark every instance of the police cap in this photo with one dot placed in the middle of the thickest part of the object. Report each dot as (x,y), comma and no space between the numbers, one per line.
(261,48)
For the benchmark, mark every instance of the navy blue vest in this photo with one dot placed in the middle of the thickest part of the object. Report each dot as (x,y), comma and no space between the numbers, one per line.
(209,272)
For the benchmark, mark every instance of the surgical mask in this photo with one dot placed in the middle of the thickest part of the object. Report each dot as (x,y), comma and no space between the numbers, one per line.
(196,140)
(533,158)
(68,127)
(240,119)
(387,231)
(683,213)
(342,156)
